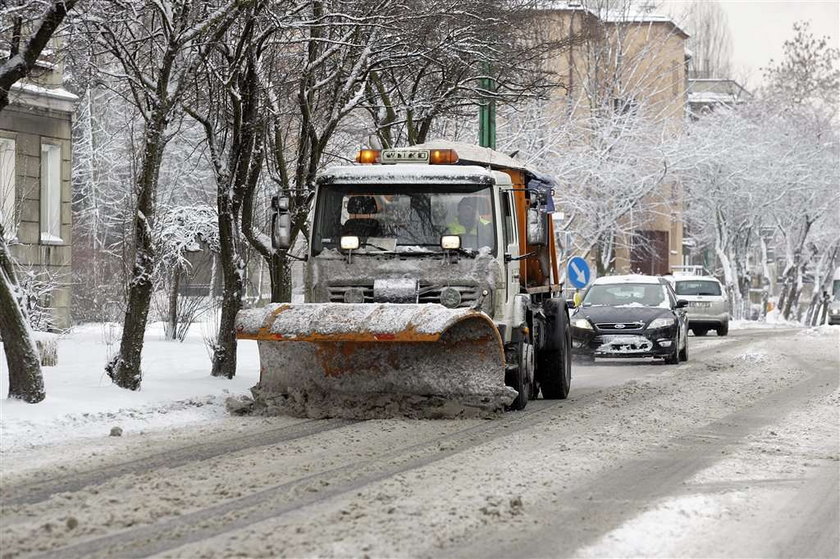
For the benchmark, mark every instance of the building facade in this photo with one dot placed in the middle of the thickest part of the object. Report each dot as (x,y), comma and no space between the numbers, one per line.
(621,61)
(35,168)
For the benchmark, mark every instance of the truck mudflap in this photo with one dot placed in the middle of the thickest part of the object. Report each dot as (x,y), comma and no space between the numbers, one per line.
(376,360)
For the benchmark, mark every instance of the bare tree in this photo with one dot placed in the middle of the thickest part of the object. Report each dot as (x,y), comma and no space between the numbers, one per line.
(314,74)
(452,56)
(159,46)
(229,107)
(710,40)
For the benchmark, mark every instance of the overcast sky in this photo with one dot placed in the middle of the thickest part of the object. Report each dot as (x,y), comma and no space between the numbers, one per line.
(760,27)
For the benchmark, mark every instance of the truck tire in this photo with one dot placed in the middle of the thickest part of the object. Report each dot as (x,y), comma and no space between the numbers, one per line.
(554,359)
(519,376)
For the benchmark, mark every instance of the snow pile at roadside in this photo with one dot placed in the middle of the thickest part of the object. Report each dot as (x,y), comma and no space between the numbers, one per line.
(81,401)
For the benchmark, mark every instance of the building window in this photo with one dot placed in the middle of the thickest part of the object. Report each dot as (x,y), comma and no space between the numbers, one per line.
(50,193)
(7,187)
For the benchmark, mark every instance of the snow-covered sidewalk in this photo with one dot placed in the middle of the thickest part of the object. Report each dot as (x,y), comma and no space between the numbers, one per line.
(81,401)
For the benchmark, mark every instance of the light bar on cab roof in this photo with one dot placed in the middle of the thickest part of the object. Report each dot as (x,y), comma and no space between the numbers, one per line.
(443,157)
(368,156)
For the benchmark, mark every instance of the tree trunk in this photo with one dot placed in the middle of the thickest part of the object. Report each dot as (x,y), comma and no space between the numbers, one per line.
(281,278)
(25,380)
(124,368)
(224,354)
(173,304)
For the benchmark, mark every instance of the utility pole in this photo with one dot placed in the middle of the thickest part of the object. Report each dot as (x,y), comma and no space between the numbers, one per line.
(487,115)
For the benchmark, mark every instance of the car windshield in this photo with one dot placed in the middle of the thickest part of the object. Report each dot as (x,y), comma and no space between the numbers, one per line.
(627,295)
(697,287)
(405,219)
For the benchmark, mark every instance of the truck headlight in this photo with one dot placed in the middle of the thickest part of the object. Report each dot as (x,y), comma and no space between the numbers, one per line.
(661,322)
(349,242)
(582,323)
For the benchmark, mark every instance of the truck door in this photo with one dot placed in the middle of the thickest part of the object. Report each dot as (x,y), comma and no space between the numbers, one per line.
(511,246)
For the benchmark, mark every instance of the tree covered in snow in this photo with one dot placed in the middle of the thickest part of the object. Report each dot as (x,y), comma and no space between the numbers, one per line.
(159,47)
(763,179)
(609,135)
(447,58)
(228,103)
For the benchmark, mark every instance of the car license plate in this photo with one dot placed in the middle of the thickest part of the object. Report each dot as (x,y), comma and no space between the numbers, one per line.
(700,304)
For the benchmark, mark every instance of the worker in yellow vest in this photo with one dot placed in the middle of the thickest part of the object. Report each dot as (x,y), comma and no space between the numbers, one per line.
(475,231)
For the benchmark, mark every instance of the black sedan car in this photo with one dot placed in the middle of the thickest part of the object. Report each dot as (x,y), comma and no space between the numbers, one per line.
(631,316)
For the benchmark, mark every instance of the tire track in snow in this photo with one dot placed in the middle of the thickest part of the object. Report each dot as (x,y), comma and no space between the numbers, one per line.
(41,490)
(280,499)
(619,494)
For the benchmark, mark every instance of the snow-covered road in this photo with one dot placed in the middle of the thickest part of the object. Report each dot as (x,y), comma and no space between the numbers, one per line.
(734,453)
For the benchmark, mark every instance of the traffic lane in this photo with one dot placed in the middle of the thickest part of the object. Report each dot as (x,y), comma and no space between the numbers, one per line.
(589,376)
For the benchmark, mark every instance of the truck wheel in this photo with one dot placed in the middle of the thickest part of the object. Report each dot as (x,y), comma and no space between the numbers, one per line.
(699,331)
(554,362)
(519,377)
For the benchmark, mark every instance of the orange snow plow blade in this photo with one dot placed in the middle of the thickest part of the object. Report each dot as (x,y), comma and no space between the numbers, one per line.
(377,360)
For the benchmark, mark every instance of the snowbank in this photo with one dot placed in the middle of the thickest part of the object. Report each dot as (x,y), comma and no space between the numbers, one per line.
(82,401)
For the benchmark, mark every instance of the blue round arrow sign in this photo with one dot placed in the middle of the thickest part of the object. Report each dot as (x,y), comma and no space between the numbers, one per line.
(577,270)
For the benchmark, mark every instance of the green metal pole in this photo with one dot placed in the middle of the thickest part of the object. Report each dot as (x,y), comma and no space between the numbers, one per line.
(487,117)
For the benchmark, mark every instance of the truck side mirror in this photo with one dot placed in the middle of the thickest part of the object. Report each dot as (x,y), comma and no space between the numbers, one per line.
(536,227)
(281,223)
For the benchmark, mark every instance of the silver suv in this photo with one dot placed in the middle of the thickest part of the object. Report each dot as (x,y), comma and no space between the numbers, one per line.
(708,307)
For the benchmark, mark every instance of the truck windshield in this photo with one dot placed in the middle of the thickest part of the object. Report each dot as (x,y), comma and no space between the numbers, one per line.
(405,219)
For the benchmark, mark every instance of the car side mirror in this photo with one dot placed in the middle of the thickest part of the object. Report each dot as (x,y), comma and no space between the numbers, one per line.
(682,303)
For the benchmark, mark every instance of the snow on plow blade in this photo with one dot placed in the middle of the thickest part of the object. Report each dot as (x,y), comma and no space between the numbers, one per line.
(376,360)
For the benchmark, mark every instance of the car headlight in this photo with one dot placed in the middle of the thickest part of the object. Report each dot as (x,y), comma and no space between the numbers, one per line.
(835,311)
(661,322)
(582,323)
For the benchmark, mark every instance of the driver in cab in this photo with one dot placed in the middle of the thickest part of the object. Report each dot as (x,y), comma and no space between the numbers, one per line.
(475,230)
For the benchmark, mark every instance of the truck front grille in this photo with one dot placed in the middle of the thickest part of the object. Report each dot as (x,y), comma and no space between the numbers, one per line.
(337,292)
(430,293)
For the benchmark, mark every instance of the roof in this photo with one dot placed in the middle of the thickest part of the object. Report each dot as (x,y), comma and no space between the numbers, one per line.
(716,90)
(408,173)
(633,14)
(630,278)
(57,98)
(472,153)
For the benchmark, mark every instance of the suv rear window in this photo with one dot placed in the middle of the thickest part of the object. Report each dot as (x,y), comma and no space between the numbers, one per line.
(697,287)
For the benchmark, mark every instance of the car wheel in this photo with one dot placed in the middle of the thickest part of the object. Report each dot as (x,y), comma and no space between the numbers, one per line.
(683,356)
(699,331)
(723,329)
(674,357)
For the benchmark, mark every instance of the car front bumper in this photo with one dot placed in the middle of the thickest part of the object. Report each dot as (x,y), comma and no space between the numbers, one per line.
(640,343)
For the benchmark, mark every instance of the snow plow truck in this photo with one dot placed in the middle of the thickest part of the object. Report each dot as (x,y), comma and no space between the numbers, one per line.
(431,289)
